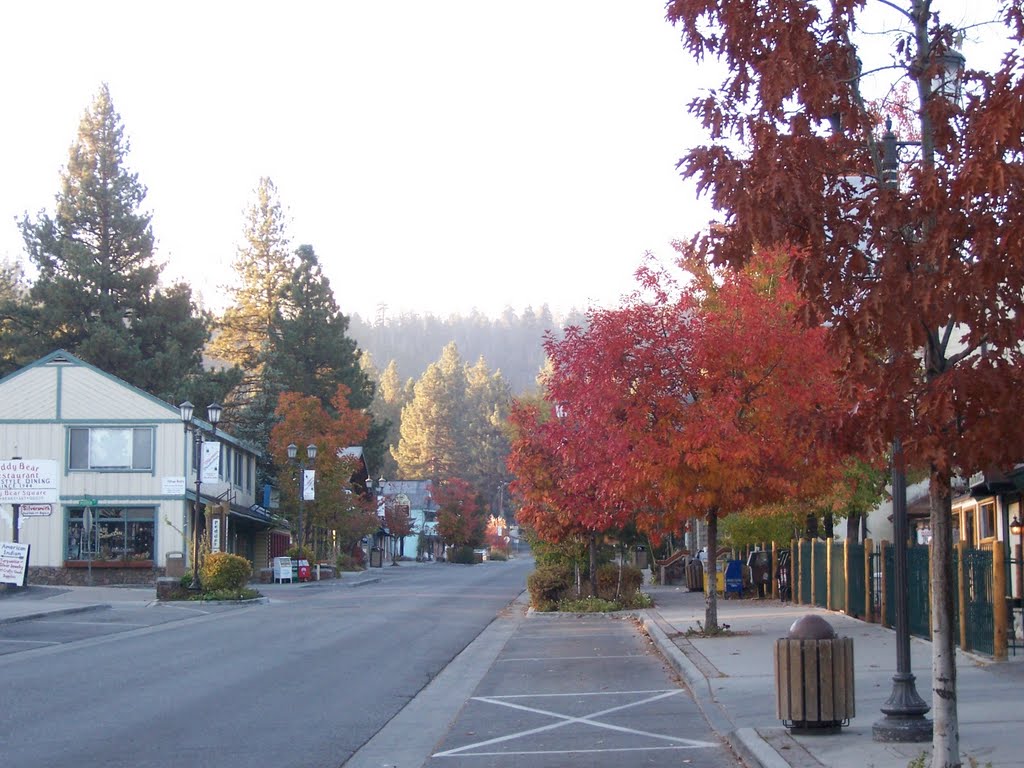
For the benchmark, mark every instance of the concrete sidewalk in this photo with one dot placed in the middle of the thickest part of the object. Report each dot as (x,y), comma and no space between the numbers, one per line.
(732,678)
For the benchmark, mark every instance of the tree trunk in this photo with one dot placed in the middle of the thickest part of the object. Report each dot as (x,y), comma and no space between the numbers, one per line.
(593,563)
(853,528)
(710,594)
(946,732)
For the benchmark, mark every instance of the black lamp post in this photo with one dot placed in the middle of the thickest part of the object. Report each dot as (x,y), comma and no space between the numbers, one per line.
(311,454)
(1017,530)
(213,413)
(904,711)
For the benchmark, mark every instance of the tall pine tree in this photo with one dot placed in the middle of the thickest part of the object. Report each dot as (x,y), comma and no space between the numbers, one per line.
(97,293)
(312,352)
(264,267)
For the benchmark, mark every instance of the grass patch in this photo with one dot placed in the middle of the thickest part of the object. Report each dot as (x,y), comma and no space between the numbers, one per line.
(722,630)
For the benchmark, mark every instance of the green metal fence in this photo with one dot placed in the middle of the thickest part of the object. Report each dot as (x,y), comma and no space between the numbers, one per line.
(805,572)
(837,582)
(979,614)
(918,604)
(820,574)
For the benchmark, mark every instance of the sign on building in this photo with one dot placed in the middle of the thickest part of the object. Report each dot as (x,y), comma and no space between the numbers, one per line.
(28,481)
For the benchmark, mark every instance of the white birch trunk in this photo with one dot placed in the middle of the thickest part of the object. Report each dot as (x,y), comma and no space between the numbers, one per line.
(710,594)
(946,732)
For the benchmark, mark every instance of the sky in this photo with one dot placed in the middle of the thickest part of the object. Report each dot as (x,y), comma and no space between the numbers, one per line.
(439,157)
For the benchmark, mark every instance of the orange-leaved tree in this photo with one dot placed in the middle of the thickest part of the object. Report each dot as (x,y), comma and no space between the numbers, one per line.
(909,253)
(303,420)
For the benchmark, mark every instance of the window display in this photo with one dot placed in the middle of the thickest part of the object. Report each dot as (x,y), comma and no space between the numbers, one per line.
(110,533)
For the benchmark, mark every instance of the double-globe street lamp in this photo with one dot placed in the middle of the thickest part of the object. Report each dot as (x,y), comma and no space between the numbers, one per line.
(213,413)
(305,487)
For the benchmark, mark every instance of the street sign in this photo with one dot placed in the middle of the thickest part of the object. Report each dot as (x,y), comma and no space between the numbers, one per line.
(88,501)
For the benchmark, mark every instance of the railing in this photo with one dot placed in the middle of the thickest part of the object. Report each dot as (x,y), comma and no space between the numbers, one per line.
(857,579)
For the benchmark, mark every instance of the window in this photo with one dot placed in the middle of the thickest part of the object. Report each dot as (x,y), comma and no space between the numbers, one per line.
(238,468)
(248,473)
(987,520)
(118,534)
(111,448)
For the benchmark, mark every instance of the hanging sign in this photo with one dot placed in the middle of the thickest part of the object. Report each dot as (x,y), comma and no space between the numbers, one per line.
(308,476)
(211,463)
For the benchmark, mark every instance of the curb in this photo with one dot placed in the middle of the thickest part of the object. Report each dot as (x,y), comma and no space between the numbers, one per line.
(745,742)
(57,612)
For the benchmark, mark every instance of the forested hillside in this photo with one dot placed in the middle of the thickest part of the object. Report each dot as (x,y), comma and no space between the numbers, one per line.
(511,344)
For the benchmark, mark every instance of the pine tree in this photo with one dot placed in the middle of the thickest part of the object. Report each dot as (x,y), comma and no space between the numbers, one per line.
(432,432)
(97,291)
(312,349)
(312,352)
(390,397)
(243,337)
(487,403)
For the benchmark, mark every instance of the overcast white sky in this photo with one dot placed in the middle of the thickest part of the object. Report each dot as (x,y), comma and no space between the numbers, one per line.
(438,156)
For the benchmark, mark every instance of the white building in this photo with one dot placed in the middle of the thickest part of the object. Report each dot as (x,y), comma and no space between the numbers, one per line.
(125,472)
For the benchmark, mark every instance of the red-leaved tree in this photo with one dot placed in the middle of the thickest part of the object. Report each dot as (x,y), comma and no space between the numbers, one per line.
(693,399)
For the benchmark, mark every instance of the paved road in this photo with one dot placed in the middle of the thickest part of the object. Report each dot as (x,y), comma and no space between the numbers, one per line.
(304,680)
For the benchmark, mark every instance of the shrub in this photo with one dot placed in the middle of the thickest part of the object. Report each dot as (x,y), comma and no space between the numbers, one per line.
(348,563)
(547,584)
(588,605)
(497,554)
(463,554)
(224,571)
(608,581)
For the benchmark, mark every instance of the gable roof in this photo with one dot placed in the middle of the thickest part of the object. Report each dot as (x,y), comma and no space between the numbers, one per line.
(63,358)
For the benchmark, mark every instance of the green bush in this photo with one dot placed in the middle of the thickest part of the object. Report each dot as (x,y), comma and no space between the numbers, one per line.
(463,554)
(547,584)
(497,554)
(608,586)
(588,605)
(224,571)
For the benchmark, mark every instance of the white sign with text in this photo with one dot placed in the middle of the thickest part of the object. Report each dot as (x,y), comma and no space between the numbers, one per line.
(13,563)
(28,481)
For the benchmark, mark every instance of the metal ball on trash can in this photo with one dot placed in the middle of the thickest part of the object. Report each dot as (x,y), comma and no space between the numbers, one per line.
(811,627)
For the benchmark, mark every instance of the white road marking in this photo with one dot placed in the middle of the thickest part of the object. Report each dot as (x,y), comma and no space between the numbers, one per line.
(563,720)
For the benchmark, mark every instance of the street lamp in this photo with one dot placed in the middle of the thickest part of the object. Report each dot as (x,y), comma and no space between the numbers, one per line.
(213,413)
(311,454)
(904,711)
(1018,530)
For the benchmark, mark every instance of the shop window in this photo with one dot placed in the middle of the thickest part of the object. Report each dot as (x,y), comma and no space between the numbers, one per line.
(109,449)
(987,520)
(118,534)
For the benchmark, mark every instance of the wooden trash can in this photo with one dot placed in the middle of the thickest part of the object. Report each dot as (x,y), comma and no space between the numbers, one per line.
(814,683)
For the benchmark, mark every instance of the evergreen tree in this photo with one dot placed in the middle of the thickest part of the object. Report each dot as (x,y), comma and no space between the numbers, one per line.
(264,267)
(432,434)
(487,403)
(390,397)
(312,352)
(97,291)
